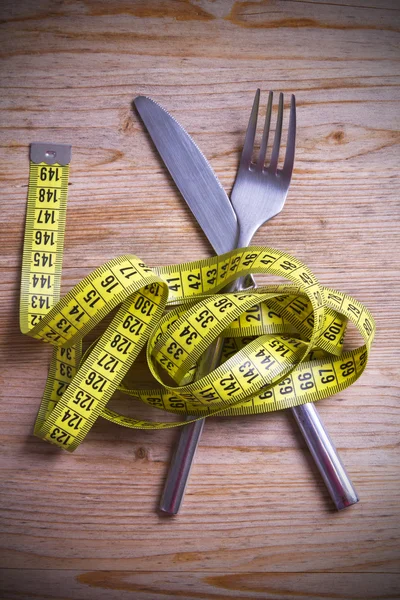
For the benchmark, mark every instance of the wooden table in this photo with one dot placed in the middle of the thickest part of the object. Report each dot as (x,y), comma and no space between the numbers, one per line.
(257,521)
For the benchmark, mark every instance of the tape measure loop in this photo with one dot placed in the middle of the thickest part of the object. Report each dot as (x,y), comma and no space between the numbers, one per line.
(283,343)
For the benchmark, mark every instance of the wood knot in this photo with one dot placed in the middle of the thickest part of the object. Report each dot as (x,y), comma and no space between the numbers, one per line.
(337,136)
(127,124)
(141,453)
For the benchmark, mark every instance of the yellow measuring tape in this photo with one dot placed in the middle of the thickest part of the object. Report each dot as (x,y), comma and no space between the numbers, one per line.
(283,343)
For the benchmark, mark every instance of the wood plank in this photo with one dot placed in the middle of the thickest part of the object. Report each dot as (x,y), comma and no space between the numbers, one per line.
(120,585)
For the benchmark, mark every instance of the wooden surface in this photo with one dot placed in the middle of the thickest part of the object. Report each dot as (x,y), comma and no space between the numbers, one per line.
(257,522)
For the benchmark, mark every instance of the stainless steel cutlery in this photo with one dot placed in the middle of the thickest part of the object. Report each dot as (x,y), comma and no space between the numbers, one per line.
(258,194)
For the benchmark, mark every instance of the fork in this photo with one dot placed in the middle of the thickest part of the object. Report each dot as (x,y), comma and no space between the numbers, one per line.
(259,194)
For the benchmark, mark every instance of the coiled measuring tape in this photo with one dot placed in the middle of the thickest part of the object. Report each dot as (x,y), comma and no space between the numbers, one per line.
(283,343)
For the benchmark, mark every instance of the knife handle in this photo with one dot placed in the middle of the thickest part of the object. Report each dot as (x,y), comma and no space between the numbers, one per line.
(325,455)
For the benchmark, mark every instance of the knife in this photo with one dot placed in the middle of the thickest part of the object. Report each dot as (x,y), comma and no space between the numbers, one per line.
(211,206)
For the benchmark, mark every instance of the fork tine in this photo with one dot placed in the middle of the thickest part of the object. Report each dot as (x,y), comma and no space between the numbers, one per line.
(247,151)
(291,140)
(277,139)
(264,140)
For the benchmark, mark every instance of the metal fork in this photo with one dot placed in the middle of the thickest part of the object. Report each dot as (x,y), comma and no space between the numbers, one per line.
(259,194)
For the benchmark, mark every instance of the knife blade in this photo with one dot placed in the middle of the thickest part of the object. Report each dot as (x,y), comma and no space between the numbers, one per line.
(192,174)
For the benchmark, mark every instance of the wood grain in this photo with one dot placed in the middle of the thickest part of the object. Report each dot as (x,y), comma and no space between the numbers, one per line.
(257,521)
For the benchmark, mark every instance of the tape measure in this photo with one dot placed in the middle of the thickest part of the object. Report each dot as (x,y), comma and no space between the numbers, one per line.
(283,344)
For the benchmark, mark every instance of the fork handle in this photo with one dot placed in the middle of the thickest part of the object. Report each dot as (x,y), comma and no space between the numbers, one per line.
(189,437)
